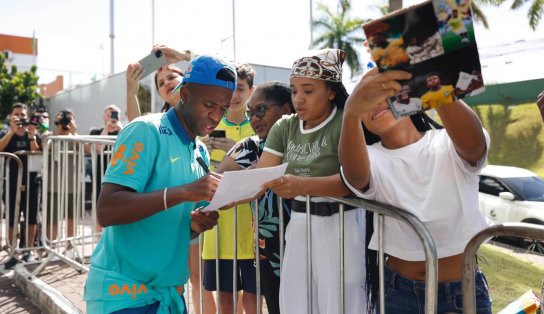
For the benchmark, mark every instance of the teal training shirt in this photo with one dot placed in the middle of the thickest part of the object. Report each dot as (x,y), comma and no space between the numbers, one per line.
(151,153)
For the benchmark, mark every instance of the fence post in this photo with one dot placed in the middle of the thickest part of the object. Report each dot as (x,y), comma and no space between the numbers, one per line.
(519,229)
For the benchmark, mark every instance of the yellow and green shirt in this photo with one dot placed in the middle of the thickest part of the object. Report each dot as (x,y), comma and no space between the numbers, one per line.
(236,132)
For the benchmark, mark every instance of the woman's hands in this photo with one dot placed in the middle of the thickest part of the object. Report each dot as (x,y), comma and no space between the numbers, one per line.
(134,75)
(373,89)
(287,186)
(172,55)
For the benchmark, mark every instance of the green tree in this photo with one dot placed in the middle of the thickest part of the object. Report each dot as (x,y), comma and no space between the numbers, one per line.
(16,86)
(339,30)
(144,98)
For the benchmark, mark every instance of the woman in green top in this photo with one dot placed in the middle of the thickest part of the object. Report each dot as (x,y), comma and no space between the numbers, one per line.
(308,141)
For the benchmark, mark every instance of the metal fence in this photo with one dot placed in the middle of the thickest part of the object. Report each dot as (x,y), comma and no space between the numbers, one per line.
(431,276)
(469,263)
(69,230)
(5,188)
(72,166)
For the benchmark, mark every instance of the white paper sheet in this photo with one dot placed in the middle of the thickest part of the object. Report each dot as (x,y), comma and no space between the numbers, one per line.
(242,184)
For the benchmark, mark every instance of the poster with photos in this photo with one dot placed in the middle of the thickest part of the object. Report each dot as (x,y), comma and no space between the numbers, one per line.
(434,41)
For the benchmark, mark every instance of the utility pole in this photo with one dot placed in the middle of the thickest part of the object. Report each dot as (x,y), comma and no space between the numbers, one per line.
(234,29)
(112,37)
(311,22)
(151,82)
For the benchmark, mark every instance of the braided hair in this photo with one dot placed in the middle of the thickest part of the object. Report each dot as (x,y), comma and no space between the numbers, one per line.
(423,123)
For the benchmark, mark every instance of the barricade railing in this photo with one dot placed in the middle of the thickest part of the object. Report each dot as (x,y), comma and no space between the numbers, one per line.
(431,271)
(431,275)
(31,198)
(519,229)
(70,229)
(64,173)
(5,188)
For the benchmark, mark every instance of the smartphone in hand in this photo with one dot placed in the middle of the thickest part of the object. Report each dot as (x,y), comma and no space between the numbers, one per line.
(152,62)
(218,134)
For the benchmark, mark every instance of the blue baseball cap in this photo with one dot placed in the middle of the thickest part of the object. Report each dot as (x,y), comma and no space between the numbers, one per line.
(209,70)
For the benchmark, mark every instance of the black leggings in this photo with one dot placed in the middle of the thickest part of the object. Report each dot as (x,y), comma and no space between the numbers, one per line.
(270,285)
(33,189)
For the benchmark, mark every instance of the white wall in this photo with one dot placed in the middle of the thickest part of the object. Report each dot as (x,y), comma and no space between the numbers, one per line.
(88,101)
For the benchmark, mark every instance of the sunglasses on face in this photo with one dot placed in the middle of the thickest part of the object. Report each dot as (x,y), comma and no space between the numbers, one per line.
(260,110)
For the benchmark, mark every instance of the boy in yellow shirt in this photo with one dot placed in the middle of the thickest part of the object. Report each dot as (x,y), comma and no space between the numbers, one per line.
(237,127)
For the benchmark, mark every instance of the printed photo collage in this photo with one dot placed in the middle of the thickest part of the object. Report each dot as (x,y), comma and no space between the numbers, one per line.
(435,42)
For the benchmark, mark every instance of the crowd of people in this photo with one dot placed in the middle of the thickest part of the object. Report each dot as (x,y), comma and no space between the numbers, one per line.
(167,166)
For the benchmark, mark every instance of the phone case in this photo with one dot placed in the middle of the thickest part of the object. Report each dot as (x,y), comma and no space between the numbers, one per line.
(151,63)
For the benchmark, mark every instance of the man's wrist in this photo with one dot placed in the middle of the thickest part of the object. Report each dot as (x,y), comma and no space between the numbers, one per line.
(194,234)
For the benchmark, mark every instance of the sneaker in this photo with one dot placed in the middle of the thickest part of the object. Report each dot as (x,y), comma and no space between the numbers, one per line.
(28,258)
(11,263)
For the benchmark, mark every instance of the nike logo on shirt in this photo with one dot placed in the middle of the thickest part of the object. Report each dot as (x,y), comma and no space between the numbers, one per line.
(174,159)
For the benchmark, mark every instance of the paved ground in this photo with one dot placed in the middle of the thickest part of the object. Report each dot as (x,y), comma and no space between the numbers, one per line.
(11,299)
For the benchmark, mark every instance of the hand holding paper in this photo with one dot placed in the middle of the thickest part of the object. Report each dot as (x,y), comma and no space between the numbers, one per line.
(242,184)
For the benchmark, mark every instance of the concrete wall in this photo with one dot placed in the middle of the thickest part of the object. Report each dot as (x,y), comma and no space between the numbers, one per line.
(88,101)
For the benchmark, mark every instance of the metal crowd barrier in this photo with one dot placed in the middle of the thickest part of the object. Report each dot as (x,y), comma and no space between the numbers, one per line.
(431,276)
(64,173)
(519,229)
(5,160)
(65,193)
(431,271)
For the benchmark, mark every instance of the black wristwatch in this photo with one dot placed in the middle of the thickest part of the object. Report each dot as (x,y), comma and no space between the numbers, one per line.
(194,235)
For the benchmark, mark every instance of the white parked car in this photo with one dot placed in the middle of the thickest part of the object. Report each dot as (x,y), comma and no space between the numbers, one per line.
(512,194)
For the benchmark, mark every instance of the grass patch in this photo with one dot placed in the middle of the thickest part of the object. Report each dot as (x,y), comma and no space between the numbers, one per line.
(509,276)
(517,135)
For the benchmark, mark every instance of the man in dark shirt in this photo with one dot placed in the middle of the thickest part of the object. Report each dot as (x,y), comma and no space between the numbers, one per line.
(112,126)
(21,136)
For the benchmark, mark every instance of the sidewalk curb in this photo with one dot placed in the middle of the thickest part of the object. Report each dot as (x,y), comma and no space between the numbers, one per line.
(46,298)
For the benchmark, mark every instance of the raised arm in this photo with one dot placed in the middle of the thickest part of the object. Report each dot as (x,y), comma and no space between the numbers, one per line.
(465,130)
(352,150)
(371,91)
(118,205)
(134,74)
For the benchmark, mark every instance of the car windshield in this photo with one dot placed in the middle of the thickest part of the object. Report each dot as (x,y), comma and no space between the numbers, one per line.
(529,188)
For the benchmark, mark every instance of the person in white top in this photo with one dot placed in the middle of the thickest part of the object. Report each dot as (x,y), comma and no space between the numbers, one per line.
(427,170)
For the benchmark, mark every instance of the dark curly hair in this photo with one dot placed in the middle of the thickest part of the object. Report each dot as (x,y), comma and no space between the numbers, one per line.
(276,91)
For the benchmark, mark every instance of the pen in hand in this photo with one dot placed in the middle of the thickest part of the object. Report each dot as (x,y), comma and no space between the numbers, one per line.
(203,164)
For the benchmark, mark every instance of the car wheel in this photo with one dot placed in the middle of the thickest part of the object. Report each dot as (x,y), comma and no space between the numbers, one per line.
(533,244)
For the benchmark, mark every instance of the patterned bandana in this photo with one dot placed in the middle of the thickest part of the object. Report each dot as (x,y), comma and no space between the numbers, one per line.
(325,65)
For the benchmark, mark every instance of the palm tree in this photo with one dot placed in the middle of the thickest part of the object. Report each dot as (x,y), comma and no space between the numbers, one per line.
(536,10)
(338,30)
(477,13)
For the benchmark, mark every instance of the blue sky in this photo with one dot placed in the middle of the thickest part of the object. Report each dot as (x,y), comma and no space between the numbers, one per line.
(74,34)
